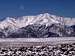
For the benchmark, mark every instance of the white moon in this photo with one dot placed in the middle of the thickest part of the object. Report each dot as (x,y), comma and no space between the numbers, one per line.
(22,7)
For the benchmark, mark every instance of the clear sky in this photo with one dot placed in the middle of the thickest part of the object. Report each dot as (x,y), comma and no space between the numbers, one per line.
(32,7)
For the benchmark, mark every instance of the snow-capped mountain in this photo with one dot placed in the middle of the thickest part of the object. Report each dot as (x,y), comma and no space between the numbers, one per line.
(46,23)
(45,19)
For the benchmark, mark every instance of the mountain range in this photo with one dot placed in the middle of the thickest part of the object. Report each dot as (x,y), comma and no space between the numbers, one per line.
(38,26)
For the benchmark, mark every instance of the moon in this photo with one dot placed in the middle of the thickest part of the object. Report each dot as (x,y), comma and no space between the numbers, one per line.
(21,7)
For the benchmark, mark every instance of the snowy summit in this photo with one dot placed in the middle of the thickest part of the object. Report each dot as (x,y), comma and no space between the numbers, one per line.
(16,24)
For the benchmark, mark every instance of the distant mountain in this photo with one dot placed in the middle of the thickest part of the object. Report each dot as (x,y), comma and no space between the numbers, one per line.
(43,25)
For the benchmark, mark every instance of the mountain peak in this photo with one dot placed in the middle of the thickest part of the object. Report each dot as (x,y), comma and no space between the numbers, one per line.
(43,19)
(42,23)
(47,14)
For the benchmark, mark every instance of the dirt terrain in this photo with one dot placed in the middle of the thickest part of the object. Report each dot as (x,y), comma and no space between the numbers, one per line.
(26,42)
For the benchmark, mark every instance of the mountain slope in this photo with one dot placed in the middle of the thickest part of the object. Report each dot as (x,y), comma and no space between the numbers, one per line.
(43,25)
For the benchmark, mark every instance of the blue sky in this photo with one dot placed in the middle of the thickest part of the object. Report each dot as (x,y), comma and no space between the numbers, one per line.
(32,7)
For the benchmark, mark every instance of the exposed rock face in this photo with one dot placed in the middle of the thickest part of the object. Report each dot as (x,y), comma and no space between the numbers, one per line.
(43,25)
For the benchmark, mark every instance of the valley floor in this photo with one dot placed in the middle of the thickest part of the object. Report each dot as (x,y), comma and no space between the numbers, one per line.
(18,42)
